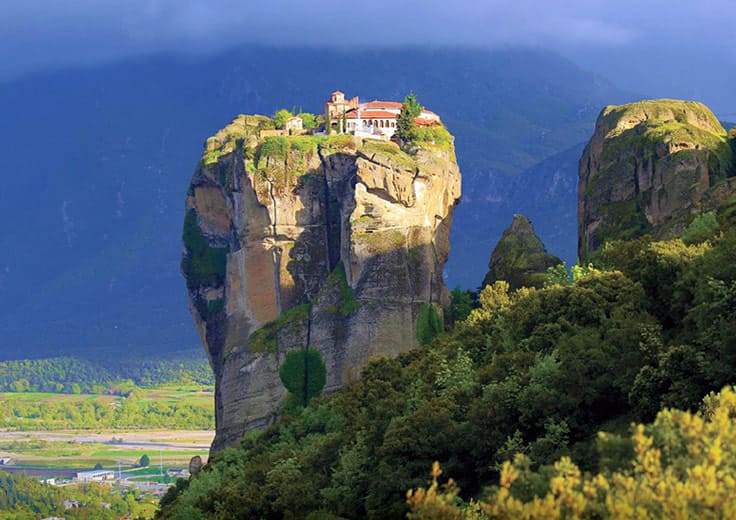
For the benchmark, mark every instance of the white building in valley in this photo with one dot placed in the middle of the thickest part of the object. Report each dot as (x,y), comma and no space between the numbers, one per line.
(97,475)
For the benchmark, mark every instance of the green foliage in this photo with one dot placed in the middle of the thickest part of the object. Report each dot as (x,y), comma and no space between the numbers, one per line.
(265,338)
(241,134)
(144,461)
(557,275)
(273,147)
(702,228)
(309,121)
(112,376)
(532,371)
(24,498)
(202,263)
(149,409)
(281,117)
(436,134)
(304,374)
(429,325)
(405,125)
(461,304)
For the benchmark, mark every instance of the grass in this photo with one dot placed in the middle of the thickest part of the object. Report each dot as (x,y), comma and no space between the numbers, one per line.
(72,454)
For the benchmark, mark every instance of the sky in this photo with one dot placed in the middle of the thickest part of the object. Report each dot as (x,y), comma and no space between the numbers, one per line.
(655,47)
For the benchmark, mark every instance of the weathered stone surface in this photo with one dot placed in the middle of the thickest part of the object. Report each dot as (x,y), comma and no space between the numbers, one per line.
(649,167)
(332,241)
(520,257)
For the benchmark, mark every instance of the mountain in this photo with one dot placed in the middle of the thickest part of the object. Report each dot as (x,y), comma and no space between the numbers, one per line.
(651,167)
(96,162)
(321,249)
(520,258)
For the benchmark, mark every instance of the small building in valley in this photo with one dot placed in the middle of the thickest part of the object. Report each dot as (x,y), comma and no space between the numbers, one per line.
(97,475)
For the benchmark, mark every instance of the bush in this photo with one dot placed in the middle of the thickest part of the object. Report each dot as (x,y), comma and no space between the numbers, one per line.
(303,374)
(281,117)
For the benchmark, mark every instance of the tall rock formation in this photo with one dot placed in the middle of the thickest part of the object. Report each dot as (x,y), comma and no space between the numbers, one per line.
(650,167)
(328,241)
(520,257)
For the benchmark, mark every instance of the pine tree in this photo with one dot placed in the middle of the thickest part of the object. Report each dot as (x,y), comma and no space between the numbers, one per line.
(405,125)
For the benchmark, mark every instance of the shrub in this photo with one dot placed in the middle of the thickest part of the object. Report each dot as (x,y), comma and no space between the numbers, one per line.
(303,374)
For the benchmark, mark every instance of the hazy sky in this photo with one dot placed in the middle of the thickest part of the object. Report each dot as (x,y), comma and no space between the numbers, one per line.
(652,46)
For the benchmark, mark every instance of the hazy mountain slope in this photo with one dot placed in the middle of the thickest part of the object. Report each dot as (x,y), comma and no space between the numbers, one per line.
(96,163)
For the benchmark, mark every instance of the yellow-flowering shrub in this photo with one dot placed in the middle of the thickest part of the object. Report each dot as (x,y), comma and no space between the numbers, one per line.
(684,467)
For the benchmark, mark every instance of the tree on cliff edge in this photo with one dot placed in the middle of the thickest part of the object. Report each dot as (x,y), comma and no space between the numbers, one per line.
(405,125)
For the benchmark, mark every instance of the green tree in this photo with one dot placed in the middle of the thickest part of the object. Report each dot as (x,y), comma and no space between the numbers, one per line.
(405,125)
(309,121)
(557,275)
(281,117)
(145,461)
(304,374)
(429,324)
(461,304)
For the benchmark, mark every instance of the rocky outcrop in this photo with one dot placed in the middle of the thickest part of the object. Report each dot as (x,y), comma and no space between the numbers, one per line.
(520,257)
(650,167)
(328,241)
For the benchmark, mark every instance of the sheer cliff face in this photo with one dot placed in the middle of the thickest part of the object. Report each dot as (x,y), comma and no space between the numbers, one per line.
(331,242)
(649,167)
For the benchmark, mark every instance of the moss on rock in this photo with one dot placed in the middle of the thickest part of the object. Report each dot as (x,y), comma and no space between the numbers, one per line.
(202,263)
(265,338)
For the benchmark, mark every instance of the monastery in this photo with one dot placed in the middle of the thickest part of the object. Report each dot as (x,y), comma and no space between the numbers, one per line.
(375,119)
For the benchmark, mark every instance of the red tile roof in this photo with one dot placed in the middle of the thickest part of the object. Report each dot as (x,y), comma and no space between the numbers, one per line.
(371,114)
(383,104)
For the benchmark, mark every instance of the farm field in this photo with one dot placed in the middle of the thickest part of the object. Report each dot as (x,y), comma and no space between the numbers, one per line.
(44,431)
(82,450)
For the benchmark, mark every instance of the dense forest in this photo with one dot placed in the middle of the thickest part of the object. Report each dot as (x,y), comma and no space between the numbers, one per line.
(171,392)
(134,411)
(113,376)
(530,376)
